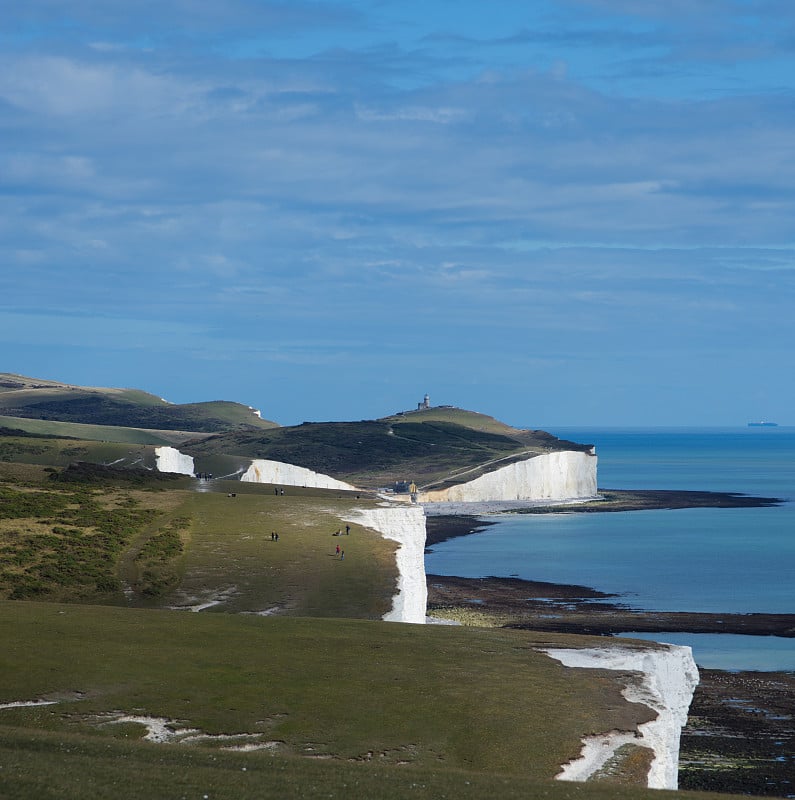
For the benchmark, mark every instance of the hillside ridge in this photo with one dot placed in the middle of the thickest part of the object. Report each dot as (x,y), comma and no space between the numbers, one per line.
(42,399)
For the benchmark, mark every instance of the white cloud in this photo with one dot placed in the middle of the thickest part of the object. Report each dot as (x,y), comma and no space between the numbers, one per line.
(442,116)
(65,87)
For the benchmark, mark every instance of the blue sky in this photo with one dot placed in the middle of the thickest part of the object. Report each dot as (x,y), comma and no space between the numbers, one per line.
(565,212)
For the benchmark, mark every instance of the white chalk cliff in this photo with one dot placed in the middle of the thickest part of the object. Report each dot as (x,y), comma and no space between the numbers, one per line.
(169,459)
(406,525)
(668,678)
(266,471)
(560,475)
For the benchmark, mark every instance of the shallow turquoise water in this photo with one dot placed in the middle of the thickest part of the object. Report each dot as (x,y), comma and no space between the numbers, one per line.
(709,560)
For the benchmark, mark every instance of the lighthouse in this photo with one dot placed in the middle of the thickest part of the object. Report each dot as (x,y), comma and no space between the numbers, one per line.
(426,403)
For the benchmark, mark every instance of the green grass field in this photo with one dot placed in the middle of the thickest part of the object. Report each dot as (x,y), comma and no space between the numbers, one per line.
(330,702)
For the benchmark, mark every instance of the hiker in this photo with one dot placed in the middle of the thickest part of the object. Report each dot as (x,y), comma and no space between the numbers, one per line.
(277,537)
(273,536)
(347,530)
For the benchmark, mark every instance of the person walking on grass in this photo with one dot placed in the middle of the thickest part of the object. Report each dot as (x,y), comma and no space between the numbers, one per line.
(342,555)
(338,550)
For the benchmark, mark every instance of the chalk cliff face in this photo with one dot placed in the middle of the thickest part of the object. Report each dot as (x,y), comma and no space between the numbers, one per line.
(169,459)
(669,677)
(562,475)
(265,471)
(405,525)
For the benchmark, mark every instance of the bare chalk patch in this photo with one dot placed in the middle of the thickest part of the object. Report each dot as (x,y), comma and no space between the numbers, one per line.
(161,730)
(249,748)
(27,704)
(158,730)
(197,604)
(269,612)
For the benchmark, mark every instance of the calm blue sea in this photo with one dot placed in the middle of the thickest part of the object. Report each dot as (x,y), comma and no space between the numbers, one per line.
(727,560)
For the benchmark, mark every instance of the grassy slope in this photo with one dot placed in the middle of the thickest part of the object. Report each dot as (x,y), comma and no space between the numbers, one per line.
(232,557)
(98,433)
(171,545)
(49,400)
(393,710)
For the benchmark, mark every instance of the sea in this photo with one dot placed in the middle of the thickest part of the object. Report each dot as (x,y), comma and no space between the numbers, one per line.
(739,560)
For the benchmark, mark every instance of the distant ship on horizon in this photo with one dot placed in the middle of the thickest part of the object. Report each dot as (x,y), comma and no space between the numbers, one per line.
(763,424)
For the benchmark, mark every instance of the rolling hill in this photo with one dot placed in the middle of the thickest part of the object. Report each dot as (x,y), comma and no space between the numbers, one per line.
(45,400)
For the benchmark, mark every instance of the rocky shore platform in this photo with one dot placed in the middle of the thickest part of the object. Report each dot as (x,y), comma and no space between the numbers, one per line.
(740,735)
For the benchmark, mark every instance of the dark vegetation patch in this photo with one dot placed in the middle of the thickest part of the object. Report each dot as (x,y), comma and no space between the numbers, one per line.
(11,450)
(18,445)
(20,434)
(85,472)
(157,559)
(64,542)
(101,410)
